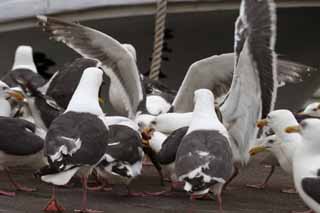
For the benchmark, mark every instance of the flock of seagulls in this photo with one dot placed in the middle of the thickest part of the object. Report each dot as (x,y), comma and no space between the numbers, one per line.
(222,114)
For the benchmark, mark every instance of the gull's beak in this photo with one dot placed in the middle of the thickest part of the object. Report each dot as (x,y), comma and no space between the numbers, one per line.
(255,150)
(261,123)
(147,135)
(101,101)
(16,95)
(293,129)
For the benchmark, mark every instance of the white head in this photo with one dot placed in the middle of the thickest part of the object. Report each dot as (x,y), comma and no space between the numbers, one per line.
(309,129)
(278,120)
(86,96)
(157,105)
(130,48)
(269,143)
(24,59)
(312,109)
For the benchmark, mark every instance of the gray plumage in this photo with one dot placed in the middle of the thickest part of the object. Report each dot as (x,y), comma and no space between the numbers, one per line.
(208,150)
(71,128)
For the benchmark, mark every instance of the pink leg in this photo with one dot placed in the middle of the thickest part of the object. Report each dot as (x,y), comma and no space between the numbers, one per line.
(5,193)
(219,200)
(234,175)
(85,199)
(17,185)
(53,205)
(264,184)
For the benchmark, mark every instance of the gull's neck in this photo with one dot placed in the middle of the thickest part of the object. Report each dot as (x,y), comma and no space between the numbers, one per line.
(85,97)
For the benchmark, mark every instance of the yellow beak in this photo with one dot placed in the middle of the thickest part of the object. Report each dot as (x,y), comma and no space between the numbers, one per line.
(293,129)
(261,123)
(255,150)
(16,94)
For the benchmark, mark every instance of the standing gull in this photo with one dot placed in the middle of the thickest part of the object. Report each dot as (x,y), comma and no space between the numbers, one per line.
(21,144)
(306,160)
(204,158)
(77,140)
(281,144)
(124,153)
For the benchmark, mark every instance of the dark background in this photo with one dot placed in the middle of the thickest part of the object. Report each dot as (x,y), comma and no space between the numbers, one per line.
(196,36)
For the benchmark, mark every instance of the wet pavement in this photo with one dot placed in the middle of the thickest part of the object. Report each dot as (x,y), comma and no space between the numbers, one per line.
(237,199)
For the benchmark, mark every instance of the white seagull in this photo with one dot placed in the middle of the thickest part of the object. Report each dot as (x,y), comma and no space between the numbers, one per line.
(281,144)
(306,160)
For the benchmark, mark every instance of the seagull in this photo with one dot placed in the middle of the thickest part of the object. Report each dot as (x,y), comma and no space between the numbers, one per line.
(7,95)
(23,68)
(281,144)
(306,163)
(124,153)
(204,158)
(21,144)
(165,149)
(312,109)
(117,60)
(48,101)
(254,85)
(77,140)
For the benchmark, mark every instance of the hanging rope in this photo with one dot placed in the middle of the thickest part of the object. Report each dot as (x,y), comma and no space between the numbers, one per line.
(158,39)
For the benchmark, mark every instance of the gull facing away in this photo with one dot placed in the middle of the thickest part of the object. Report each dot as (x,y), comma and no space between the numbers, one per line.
(77,140)
(204,158)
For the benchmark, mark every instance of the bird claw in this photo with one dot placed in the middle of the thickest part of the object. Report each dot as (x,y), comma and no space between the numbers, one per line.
(257,186)
(53,206)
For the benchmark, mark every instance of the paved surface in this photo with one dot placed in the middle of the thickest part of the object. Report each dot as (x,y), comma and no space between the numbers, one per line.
(237,199)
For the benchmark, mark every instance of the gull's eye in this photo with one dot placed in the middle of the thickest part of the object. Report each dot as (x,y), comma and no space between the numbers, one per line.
(153,122)
(4,88)
(314,110)
(140,124)
(271,141)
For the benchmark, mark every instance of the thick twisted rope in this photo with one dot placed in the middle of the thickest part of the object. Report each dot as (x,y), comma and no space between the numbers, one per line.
(158,39)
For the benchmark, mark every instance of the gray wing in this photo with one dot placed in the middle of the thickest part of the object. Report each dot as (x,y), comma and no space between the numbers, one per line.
(213,73)
(116,60)
(254,86)
(216,72)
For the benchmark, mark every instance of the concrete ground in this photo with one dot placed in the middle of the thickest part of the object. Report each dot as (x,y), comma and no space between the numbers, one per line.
(237,199)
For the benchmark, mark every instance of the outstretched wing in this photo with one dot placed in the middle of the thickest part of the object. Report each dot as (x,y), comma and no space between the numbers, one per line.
(216,73)
(116,60)
(254,86)
(213,73)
